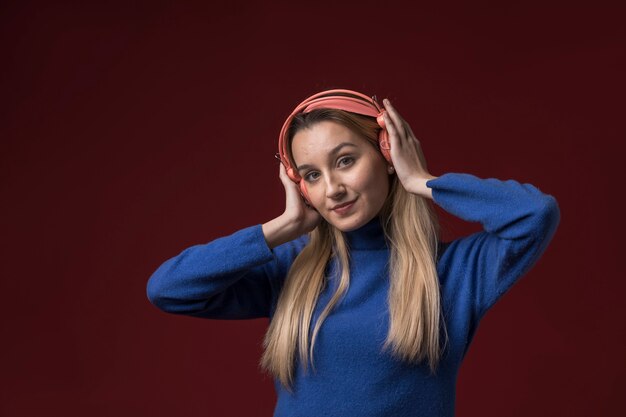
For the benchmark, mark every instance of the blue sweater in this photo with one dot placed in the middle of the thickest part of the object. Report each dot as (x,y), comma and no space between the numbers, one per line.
(239,277)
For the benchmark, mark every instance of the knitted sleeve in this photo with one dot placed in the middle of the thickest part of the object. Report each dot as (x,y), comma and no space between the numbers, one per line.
(519,221)
(232,277)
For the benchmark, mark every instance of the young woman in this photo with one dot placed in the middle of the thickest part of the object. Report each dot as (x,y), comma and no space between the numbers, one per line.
(370,312)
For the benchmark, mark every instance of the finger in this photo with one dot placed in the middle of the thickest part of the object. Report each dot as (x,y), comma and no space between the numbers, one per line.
(284,178)
(282,172)
(391,129)
(395,116)
(417,145)
(410,132)
(408,129)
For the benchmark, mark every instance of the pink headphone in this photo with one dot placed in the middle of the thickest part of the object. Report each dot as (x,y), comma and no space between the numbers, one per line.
(360,104)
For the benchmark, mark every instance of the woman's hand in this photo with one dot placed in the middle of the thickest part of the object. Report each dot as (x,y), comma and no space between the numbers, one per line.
(305,217)
(296,220)
(406,153)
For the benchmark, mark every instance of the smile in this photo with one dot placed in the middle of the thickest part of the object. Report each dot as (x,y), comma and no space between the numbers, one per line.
(344,208)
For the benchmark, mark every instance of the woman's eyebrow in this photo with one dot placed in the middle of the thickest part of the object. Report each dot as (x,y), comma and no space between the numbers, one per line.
(332,153)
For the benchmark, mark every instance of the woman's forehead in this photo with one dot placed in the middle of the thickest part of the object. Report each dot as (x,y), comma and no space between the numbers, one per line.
(323,138)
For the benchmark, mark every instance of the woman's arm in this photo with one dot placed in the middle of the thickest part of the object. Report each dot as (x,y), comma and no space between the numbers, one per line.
(233,277)
(518,219)
(238,276)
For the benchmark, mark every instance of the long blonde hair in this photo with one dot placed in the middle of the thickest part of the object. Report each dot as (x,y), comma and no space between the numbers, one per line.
(411,226)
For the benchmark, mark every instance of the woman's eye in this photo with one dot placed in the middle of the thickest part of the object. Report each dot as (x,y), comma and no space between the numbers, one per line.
(309,177)
(313,175)
(346,160)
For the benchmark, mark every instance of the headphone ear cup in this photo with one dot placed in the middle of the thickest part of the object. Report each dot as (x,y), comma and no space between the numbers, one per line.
(384,145)
(291,174)
(383,139)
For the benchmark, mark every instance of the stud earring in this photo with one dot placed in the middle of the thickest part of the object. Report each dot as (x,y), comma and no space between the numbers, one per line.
(390,169)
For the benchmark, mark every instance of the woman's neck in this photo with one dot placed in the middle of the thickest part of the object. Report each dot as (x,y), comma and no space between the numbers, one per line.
(370,236)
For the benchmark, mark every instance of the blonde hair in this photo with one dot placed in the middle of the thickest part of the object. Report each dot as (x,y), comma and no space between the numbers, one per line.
(410,224)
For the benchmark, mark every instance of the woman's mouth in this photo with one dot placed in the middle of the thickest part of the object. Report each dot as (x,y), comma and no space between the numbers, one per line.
(343,209)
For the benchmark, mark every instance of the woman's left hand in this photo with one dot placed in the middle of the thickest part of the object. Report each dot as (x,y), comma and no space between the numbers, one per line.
(406,152)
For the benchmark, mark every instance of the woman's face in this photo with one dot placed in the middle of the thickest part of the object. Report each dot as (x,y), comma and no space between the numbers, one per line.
(339,167)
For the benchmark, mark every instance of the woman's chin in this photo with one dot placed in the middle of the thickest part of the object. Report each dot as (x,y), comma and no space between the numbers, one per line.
(346,224)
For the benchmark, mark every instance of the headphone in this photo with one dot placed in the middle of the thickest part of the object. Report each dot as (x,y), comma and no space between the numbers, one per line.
(356,103)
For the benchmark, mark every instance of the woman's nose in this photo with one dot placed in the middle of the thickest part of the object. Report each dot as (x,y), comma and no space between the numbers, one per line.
(334,186)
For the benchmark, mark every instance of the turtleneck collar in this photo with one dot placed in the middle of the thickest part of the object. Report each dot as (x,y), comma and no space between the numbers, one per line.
(370,236)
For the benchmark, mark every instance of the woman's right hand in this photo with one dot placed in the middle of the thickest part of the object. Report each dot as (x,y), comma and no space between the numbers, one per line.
(303,215)
(297,219)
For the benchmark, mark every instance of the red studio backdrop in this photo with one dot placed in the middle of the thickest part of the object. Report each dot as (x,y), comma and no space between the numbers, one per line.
(130,131)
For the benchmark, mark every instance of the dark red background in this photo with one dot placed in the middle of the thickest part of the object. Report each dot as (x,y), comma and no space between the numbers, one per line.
(131,131)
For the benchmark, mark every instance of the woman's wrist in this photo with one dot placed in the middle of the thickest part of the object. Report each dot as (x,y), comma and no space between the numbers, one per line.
(278,231)
(418,186)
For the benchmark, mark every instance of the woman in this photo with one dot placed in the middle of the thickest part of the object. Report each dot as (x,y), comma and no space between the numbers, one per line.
(353,276)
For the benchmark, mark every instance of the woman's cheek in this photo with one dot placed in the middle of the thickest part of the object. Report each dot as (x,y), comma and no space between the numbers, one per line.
(317,197)
(360,180)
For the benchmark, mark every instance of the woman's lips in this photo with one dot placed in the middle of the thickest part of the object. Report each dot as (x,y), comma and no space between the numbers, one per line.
(344,209)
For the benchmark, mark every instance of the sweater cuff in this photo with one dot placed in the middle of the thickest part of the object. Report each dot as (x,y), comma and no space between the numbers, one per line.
(258,244)
(432,183)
